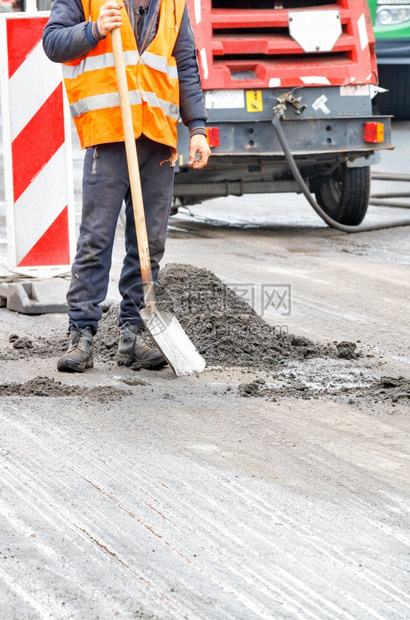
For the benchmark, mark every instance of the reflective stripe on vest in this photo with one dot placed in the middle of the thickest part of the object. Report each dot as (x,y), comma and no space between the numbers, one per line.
(159,63)
(112,100)
(94,63)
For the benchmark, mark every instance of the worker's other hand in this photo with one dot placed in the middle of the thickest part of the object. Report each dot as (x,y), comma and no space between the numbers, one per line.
(109,17)
(198,145)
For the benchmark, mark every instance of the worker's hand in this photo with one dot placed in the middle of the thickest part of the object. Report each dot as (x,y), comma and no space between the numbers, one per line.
(109,18)
(198,145)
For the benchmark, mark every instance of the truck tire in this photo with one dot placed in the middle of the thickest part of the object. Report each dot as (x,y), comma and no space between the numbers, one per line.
(397,100)
(344,195)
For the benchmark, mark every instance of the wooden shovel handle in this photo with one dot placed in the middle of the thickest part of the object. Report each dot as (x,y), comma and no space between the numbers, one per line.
(132,158)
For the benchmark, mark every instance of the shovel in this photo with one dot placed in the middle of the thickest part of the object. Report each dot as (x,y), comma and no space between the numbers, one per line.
(163,326)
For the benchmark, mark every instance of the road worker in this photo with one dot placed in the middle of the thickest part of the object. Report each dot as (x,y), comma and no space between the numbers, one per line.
(164,84)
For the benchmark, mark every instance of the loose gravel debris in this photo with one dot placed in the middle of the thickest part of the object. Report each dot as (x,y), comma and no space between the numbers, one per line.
(385,389)
(46,387)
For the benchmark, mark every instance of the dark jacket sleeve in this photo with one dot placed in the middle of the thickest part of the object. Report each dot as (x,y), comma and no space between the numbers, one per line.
(67,35)
(192,105)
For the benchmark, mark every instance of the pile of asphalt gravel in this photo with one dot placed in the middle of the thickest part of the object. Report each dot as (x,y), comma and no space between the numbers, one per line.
(224,328)
(228,332)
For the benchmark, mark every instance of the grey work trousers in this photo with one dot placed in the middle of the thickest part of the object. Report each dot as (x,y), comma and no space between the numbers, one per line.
(105,186)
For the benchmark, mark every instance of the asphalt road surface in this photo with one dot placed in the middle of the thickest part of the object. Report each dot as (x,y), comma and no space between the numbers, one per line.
(147,496)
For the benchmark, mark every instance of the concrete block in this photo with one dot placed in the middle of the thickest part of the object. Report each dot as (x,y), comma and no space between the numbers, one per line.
(35,296)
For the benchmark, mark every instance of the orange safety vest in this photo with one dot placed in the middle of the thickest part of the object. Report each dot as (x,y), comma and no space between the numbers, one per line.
(152,78)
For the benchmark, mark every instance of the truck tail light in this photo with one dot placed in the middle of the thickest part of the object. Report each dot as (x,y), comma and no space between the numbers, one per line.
(213,136)
(373,132)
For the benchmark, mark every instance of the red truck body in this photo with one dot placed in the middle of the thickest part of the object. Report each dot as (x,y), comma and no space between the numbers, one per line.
(237,37)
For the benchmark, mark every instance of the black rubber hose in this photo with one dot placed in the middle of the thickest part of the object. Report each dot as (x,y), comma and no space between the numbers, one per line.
(390,176)
(382,203)
(392,195)
(304,189)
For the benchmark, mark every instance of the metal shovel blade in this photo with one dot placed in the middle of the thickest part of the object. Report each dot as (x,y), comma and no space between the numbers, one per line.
(172,341)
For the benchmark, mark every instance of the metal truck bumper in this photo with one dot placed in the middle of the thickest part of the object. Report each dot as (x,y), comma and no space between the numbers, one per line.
(305,137)
(250,159)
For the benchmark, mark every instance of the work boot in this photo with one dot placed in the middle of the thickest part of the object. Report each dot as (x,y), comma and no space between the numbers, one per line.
(80,351)
(134,348)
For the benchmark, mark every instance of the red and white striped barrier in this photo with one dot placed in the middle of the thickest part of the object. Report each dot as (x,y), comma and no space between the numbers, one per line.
(37,150)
